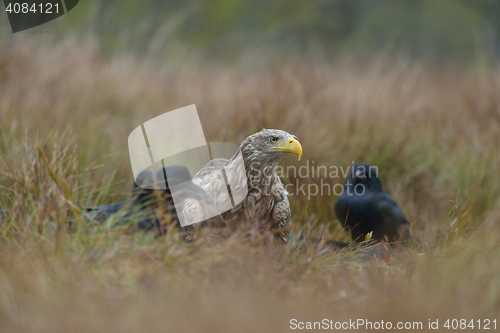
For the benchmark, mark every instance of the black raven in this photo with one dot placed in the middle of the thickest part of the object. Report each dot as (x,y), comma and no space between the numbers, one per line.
(364,207)
(152,199)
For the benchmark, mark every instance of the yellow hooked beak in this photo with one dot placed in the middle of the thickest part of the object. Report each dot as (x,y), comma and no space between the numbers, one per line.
(291,146)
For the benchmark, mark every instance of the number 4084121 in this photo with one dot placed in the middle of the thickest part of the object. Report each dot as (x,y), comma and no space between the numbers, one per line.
(42,8)
(462,324)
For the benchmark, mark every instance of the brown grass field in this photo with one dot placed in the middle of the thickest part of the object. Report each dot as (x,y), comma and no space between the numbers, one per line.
(66,110)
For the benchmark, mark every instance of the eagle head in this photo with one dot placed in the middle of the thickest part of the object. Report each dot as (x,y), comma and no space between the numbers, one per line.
(270,145)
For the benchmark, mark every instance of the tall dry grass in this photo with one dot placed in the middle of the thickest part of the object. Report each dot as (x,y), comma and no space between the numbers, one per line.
(65,114)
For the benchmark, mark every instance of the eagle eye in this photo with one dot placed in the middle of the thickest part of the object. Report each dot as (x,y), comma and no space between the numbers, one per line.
(273,139)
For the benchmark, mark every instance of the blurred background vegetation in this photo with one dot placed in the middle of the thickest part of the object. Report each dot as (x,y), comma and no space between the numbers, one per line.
(463,30)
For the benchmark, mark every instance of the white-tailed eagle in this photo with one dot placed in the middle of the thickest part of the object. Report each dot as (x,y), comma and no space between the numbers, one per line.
(265,205)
